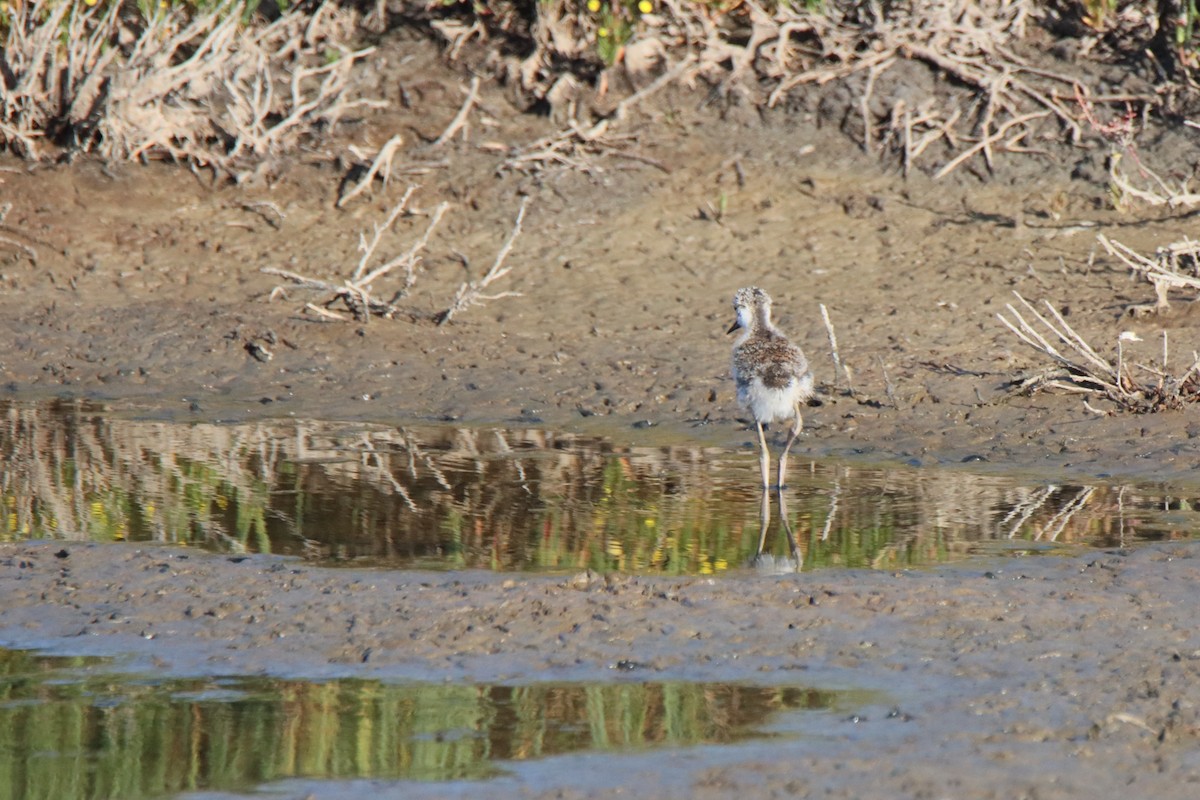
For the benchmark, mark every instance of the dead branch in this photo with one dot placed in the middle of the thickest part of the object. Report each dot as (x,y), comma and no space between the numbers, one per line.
(470,293)
(1169,269)
(381,163)
(355,292)
(460,119)
(1159,193)
(573,146)
(1083,370)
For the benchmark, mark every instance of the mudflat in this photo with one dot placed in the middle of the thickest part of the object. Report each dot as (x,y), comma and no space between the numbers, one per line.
(143,287)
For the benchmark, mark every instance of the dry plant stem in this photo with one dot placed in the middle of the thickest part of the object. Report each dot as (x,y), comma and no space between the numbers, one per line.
(26,249)
(262,207)
(1170,196)
(1163,271)
(355,292)
(1093,365)
(1088,373)
(382,162)
(410,258)
(833,349)
(471,293)
(987,142)
(460,119)
(568,147)
(368,248)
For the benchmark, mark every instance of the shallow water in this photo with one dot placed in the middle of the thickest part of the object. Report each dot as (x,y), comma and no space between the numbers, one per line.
(73,730)
(441,497)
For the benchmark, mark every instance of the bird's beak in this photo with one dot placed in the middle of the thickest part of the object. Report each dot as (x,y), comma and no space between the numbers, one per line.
(736,324)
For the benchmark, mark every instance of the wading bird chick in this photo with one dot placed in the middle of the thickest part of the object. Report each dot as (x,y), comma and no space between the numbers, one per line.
(771,373)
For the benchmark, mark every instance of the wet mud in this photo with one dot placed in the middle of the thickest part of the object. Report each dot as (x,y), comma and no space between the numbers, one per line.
(1052,677)
(142,287)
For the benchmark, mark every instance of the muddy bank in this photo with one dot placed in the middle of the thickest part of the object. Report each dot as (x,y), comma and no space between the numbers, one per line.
(1047,676)
(143,286)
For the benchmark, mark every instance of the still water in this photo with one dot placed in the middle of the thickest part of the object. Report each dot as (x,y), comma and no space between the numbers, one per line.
(70,730)
(439,497)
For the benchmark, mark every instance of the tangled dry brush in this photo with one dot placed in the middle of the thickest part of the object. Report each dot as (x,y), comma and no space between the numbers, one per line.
(199,87)
(213,85)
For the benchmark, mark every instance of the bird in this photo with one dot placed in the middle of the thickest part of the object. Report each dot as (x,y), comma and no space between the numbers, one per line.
(771,374)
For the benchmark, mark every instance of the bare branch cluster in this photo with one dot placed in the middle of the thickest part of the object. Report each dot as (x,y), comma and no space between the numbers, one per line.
(470,293)
(203,88)
(1145,186)
(763,52)
(1174,266)
(577,144)
(1079,368)
(357,294)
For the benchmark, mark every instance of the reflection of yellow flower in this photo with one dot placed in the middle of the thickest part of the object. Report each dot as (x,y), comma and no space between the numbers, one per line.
(89,2)
(593,6)
(645,6)
(602,33)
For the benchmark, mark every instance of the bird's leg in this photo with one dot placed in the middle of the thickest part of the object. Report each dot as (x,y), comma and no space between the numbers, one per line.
(796,428)
(764,458)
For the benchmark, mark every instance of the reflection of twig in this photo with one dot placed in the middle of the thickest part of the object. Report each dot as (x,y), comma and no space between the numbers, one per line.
(1060,520)
(833,509)
(383,470)
(1027,510)
(516,462)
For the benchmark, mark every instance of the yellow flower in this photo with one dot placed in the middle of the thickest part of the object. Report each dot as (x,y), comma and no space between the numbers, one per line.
(89,2)
(602,33)
(645,6)
(593,6)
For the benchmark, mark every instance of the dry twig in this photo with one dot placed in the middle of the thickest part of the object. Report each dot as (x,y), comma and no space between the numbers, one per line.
(1082,370)
(573,146)
(356,292)
(381,163)
(460,119)
(1174,266)
(470,293)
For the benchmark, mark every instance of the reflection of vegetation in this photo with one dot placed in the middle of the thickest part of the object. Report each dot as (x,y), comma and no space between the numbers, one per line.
(100,736)
(473,498)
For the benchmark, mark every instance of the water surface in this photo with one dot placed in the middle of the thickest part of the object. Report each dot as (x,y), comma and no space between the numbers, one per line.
(70,729)
(445,497)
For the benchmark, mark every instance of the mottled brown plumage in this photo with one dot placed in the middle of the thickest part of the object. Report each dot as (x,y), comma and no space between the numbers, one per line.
(771,373)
